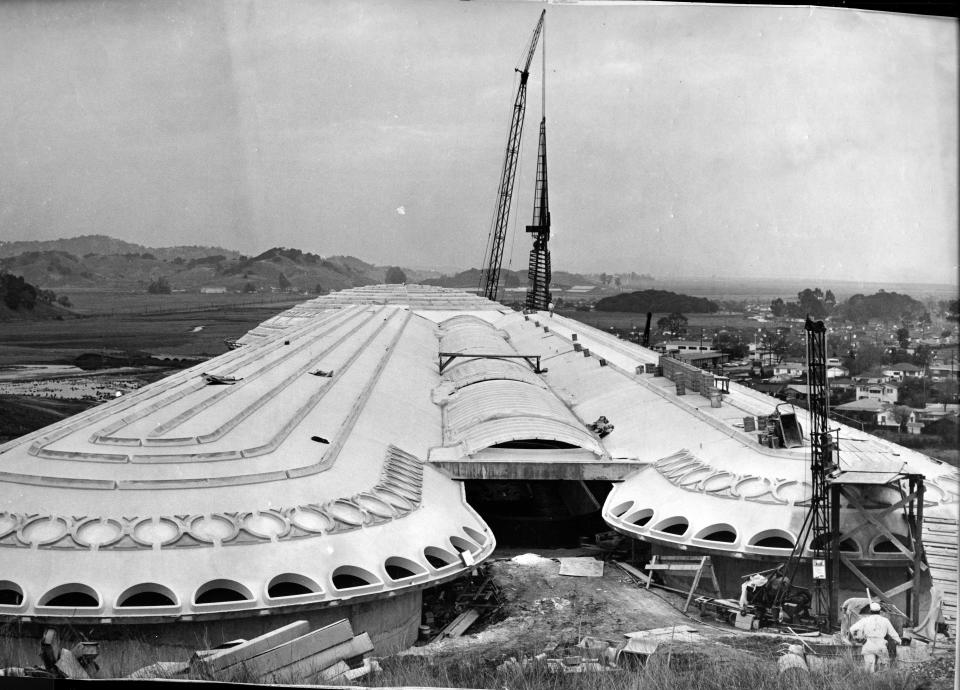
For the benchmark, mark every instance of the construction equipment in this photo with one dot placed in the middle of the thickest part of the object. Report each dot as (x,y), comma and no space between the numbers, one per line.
(645,341)
(816,525)
(490,273)
(538,294)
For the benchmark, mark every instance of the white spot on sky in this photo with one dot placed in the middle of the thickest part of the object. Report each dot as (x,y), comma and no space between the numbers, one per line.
(401,211)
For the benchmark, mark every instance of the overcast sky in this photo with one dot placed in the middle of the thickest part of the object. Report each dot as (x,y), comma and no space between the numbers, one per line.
(683,140)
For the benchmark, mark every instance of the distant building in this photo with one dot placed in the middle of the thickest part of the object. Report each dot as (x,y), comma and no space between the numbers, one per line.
(885,391)
(789,369)
(873,412)
(902,370)
(212,290)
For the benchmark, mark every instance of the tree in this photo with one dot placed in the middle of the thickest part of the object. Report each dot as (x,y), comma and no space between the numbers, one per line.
(903,337)
(901,415)
(283,281)
(159,286)
(778,307)
(249,287)
(318,289)
(395,274)
(675,324)
(913,393)
(64,301)
(866,357)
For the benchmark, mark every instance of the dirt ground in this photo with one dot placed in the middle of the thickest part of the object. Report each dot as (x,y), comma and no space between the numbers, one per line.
(542,608)
(544,611)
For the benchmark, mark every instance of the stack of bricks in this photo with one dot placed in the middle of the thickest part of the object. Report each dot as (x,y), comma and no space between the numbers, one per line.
(697,380)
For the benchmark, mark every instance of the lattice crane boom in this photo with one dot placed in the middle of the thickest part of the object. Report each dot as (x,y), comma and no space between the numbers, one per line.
(490,274)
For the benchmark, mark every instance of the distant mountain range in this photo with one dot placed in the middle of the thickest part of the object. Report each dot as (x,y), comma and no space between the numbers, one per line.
(98,261)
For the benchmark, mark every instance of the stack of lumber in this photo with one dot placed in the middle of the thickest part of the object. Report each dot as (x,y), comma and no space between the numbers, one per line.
(940,546)
(291,654)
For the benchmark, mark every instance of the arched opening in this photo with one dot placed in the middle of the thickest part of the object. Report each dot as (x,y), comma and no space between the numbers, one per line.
(773,539)
(11,594)
(439,558)
(535,444)
(461,544)
(883,544)
(222,592)
(291,585)
(73,595)
(676,525)
(639,517)
(621,508)
(147,594)
(723,533)
(352,577)
(401,568)
(476,535)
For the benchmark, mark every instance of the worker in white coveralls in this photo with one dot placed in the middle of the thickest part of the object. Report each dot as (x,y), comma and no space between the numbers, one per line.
(875,629)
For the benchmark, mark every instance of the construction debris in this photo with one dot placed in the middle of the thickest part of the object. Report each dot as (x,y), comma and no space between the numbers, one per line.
(581,567)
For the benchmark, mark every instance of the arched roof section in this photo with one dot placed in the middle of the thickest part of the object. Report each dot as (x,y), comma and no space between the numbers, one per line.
(468,334)
(495,412)
(466,372)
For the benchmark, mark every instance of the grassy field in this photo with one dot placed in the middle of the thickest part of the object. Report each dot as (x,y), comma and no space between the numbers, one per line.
(107,302)
(197,330)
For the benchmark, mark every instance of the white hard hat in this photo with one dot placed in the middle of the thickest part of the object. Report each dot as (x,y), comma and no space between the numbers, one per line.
(874,606)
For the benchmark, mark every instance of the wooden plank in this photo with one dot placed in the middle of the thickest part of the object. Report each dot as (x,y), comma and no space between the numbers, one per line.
(630,570)
(308,667)
(696,581)
(459,625)
(220,659)
(673,566)
(304,647)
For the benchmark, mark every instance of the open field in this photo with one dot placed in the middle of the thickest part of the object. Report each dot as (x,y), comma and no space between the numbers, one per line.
(708,322)
(188,333)
(89,301)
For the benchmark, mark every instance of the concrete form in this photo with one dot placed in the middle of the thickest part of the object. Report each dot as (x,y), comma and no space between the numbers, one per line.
(307,472)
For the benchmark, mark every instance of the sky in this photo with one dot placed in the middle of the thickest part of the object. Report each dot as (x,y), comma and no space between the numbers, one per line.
(683,140)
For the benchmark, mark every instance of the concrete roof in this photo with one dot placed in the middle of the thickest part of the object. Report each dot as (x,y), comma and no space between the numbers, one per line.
(306,454)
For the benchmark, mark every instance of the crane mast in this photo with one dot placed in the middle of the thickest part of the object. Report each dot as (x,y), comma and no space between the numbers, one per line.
(538,294)
(490,274)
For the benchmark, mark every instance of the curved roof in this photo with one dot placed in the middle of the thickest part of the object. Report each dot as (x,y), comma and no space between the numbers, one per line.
(283,473)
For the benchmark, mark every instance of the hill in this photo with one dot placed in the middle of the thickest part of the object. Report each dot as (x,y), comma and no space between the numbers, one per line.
(643,301)
(85,245)
(890,306)
(21,300)
(471,279)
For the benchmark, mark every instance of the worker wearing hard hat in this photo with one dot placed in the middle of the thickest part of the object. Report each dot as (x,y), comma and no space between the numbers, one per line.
(874,628)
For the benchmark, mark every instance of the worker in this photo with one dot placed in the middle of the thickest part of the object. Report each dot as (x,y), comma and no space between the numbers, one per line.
(756,581)
(874,628)
(550,307)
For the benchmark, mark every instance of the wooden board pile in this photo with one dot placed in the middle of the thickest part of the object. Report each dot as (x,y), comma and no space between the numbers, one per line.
(291,654)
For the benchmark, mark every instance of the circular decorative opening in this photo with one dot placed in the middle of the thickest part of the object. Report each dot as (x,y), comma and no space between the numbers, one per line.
(346,513)
(677,525)
(351,577)
(291,585)
(773,539)
(221,592)
(375,506)
(147,594)
(264,524)
(45,530)
(99,532)
(722,533)
(73,595)
(311,520)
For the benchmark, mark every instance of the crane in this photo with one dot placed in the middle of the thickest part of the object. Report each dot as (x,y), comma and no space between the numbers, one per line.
(490,273)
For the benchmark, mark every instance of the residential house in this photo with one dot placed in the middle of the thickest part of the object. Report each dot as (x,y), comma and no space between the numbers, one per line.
(874,413)
(789,369)
(902,371)
(883,391)
(941,371)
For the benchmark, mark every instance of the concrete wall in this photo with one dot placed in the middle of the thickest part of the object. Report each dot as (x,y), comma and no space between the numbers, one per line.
(391,623)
